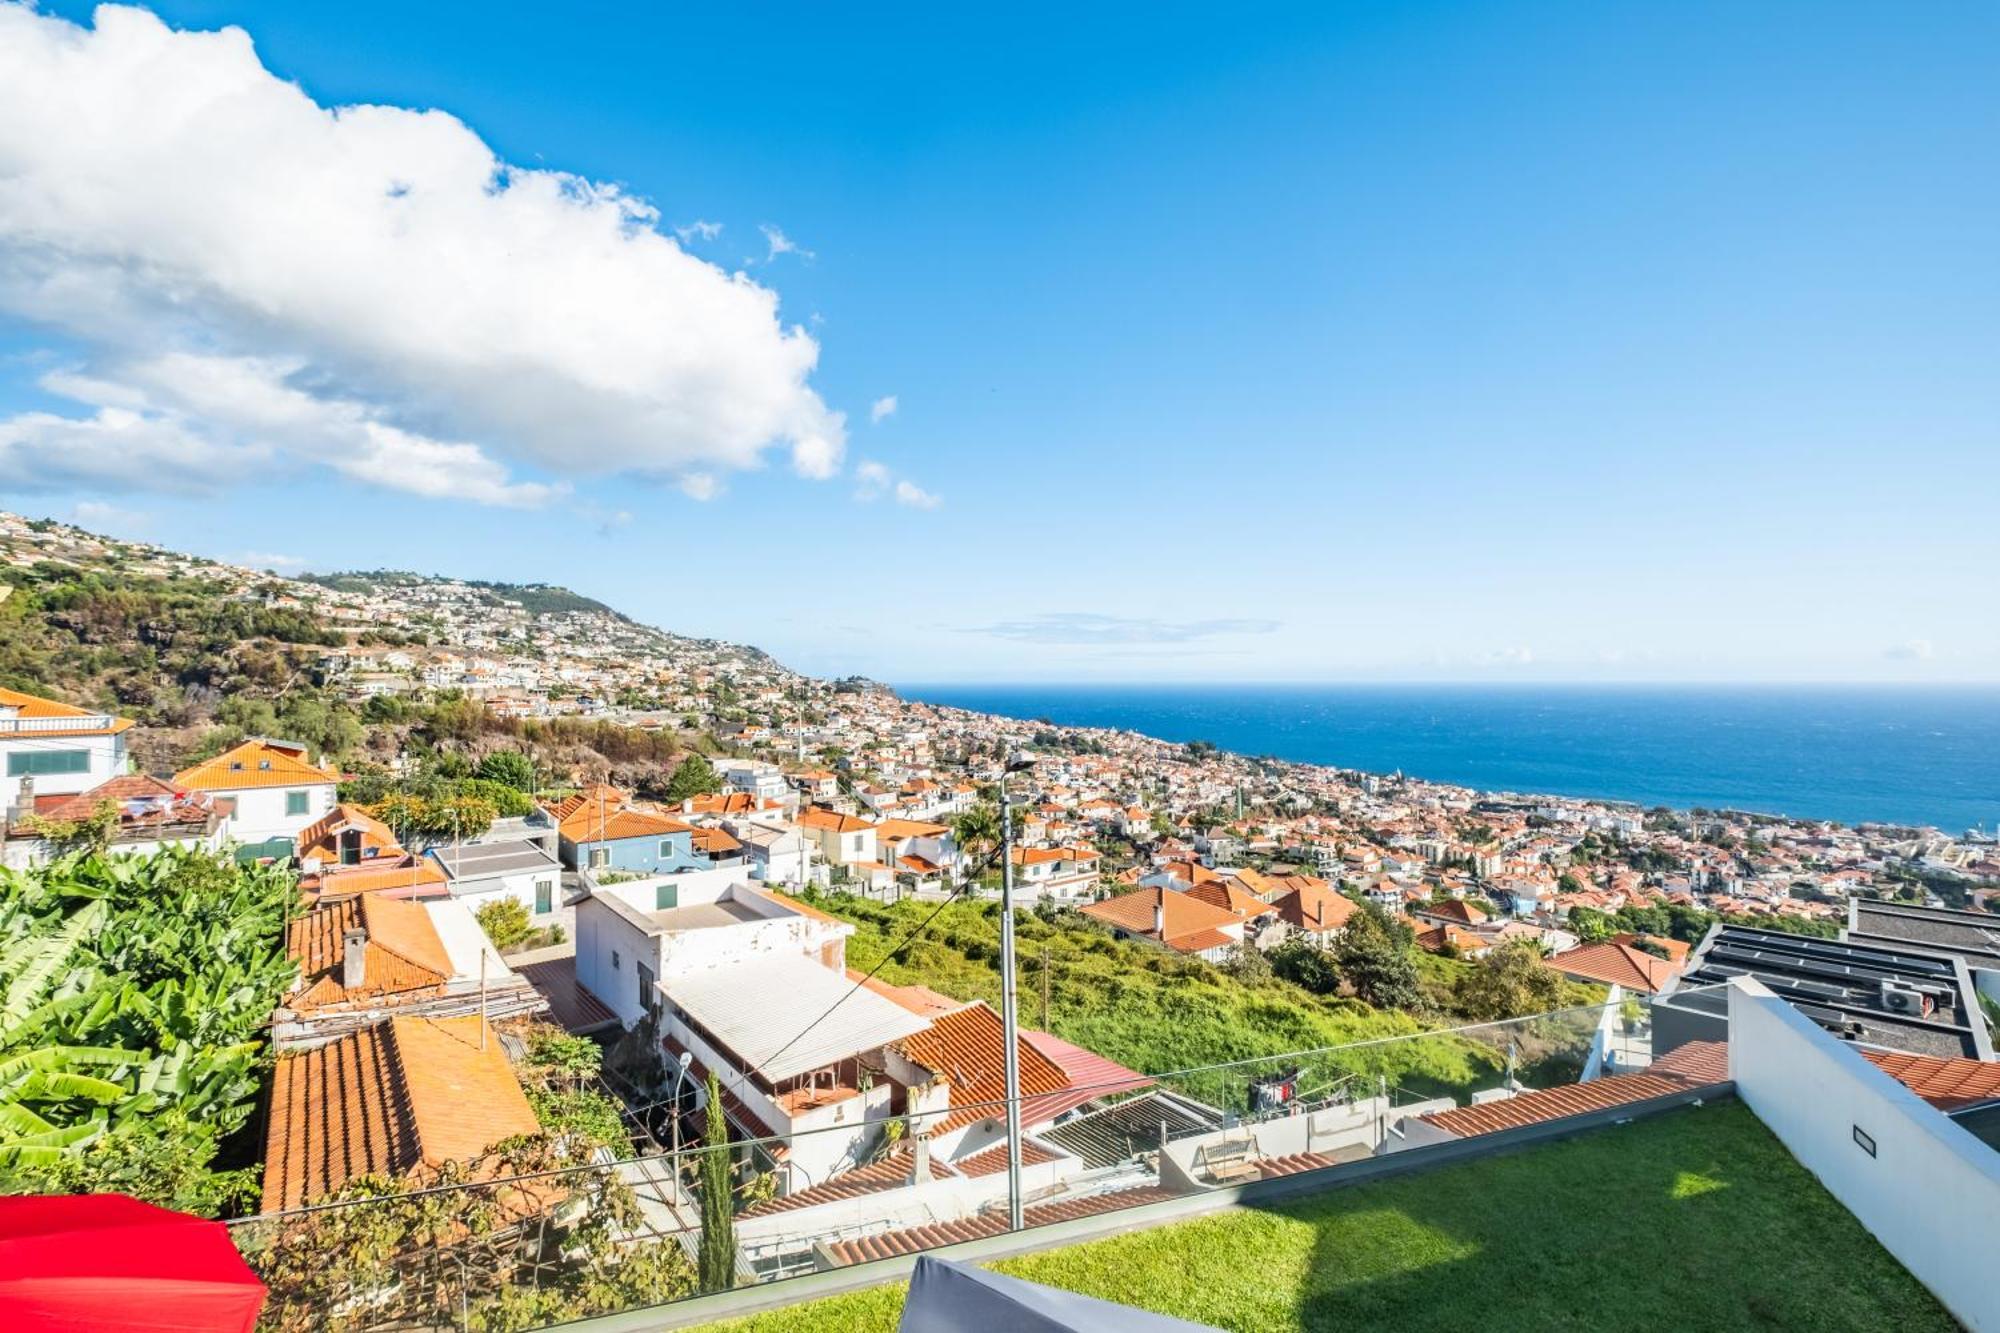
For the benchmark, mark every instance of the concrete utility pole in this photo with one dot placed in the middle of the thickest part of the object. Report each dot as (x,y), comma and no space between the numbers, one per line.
(1009,1017)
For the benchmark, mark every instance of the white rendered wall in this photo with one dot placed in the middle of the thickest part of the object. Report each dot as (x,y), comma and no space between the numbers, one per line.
(1931,1191)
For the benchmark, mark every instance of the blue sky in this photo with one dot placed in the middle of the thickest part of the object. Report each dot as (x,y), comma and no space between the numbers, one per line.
(1473,341)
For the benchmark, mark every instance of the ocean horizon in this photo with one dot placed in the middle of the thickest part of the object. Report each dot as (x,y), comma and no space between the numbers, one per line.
(1896,754)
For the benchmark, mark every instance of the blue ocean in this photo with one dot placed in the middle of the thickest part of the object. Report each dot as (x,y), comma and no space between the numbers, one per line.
(1908,755)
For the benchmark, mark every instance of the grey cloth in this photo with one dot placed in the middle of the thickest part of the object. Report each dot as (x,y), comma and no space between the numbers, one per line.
(947,1297)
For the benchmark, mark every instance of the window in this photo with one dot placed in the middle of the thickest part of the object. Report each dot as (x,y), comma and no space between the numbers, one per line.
(649,997)
(36,763)
(297,802)
(666,847)
(263,765)
(666,897)
(600,857)
(616,962)
(545,896)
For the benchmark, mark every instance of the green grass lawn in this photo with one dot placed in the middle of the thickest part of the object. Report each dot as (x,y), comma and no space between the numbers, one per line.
(1695,1219)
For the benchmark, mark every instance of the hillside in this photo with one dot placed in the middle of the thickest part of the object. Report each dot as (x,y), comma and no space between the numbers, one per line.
(201,651)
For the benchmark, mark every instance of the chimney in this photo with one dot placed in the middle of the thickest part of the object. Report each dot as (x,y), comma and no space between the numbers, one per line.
(1160,913)
(353,957)
(920,1159)
(24,803)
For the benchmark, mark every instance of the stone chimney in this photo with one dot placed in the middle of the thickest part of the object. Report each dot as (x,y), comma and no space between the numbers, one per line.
(353,957)
(1160,913)
(24,804)
(920,1158)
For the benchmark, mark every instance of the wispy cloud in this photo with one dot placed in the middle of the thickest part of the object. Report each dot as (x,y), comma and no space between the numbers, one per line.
(882,407)
(699,230)
(1088,628)
(270,560)
(872,481)
(1913,650)
(700,486)
(96,513)
(781,244)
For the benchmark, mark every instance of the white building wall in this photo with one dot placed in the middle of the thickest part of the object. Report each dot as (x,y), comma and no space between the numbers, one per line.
(1930,1192)
(607,948)
(106,755)
(260,811)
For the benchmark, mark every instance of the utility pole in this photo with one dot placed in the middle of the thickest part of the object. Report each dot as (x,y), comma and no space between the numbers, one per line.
(1009,1005)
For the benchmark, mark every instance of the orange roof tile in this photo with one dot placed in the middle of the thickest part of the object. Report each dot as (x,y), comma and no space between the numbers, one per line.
(40,709)
(1191,925)
(1949,1085)
(408,1093)
(1697,1068)
(403,953)
(967,1047)
(1615,965)
(321,838)
(256,763)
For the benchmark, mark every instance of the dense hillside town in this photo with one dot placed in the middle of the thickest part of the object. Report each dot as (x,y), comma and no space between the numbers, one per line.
(541,887)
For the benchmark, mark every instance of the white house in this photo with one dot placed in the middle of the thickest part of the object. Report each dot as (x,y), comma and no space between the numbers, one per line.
(276,788)
(777,853)
(55,749)
(527,872)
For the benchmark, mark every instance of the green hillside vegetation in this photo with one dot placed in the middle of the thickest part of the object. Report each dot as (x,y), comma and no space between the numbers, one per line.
(1156,1011)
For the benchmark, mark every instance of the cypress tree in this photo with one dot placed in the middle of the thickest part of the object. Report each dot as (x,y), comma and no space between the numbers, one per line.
(717,1256)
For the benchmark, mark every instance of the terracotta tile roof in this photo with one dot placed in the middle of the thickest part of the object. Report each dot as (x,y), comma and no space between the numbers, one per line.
(1455,912)
(991,1161)
(715,842)
(402,876)
(601,815)
(897,829)
(920,1000)
(1694,1069)
(1677,951)
(1437,938)
(966,1048)
(832,821)
(893,1171)
(408,1093)
(1090,1077)
(1949,1085)
(256,763)
(321,838)
(1238,902)
(1191,924)
(403,953)
(910,1240)
(1615,965)
(1312,904)
(34,706)
(724,803)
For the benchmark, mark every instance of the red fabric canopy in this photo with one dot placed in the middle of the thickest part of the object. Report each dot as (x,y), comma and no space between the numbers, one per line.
(90,1263)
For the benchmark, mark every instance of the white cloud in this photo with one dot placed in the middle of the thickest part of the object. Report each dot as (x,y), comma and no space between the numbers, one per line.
(871,481)
(1089,628)
(700,486)
(97,514)
(1914,650)
(782,244)
(884,406)
(270,560)
(698,230)
(263,283)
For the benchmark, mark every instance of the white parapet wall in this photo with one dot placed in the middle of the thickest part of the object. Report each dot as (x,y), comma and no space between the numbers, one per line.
(1926,1188)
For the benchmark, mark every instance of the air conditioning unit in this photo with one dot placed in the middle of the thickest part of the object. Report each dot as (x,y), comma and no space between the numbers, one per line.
(1902,999)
